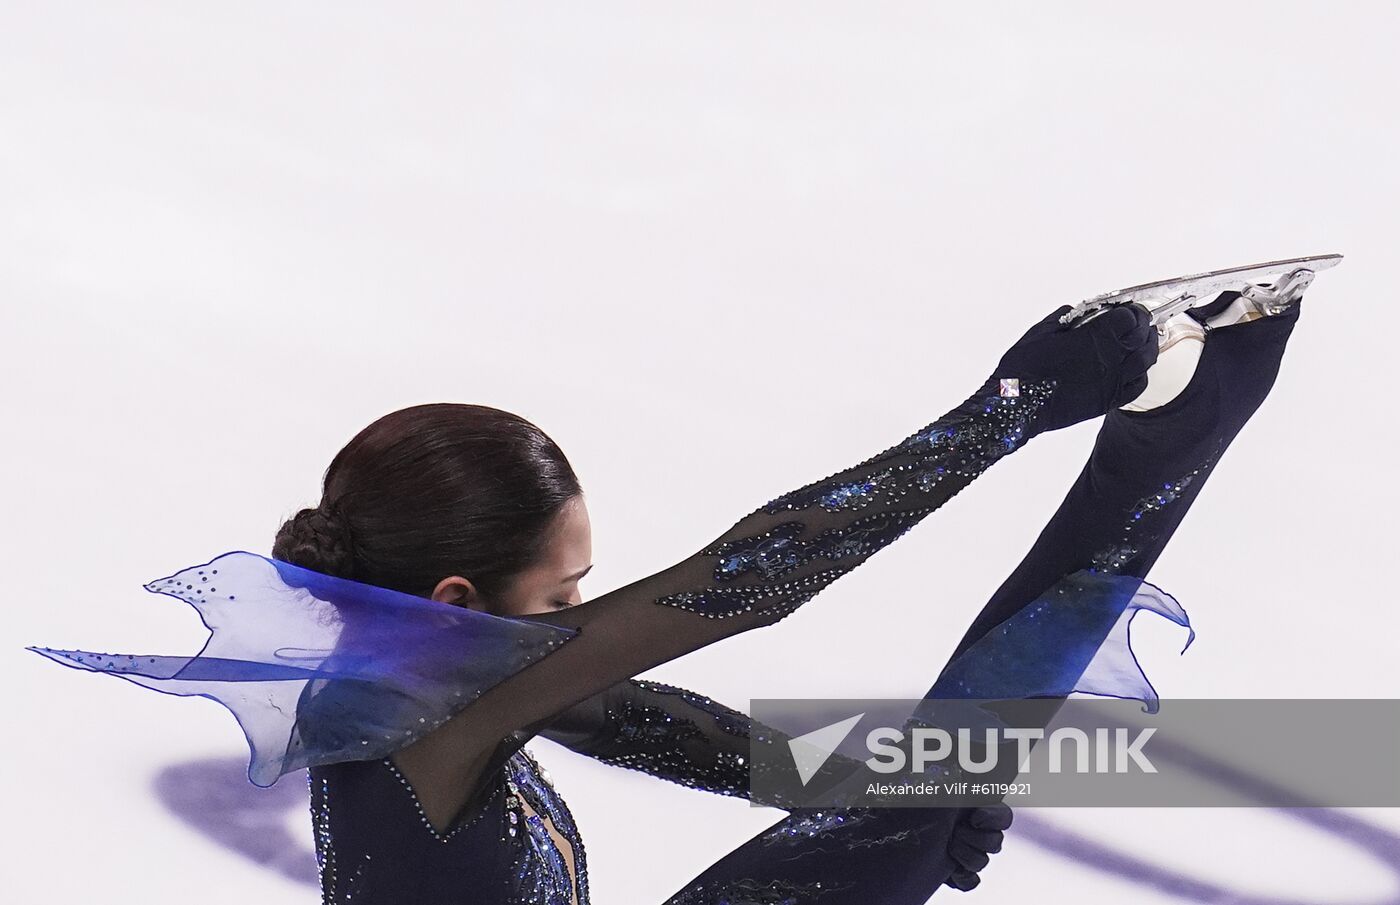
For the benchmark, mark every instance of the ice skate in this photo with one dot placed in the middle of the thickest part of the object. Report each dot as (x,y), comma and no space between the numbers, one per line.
(1186,309)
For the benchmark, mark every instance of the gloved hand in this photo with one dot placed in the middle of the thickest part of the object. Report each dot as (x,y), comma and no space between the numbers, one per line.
(976,837)
(1097,365)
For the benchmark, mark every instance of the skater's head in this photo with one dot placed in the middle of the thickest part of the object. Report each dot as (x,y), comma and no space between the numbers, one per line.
(466,504)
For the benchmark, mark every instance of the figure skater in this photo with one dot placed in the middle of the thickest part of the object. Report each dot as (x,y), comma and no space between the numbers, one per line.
(446,530)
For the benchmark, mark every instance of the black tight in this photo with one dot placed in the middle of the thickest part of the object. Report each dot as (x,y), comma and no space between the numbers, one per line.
(1110,519)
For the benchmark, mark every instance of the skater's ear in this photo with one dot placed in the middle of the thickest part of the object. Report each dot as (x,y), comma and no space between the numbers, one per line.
(458,591)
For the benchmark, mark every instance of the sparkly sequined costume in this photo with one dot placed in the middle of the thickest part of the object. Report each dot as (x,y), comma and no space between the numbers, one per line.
(371,831)
(766,566)
(547,674)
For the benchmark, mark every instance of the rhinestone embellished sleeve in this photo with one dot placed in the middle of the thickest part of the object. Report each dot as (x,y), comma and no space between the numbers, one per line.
(664,731)
(783,553)
(677,735)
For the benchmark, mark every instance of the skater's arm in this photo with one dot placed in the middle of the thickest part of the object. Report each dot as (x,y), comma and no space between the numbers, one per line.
(694,741)
(664,731)
(680,736)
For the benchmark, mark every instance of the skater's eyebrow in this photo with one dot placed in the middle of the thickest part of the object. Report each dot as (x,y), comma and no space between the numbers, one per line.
(579,574)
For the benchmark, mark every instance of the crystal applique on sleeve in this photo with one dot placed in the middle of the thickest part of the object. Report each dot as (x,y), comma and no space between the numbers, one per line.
(789,549)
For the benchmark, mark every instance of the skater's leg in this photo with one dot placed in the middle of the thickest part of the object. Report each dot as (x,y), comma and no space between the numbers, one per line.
(1148,468)
(1144,474)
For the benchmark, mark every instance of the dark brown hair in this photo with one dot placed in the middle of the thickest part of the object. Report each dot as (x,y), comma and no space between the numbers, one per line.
(431,491)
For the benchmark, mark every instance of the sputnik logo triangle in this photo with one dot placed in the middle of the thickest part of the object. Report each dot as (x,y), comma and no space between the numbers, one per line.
(811,751)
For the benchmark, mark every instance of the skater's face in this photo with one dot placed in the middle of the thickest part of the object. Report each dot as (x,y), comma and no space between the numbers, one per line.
(550,584)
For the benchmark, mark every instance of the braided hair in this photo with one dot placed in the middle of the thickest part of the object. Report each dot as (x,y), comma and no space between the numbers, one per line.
(317,539)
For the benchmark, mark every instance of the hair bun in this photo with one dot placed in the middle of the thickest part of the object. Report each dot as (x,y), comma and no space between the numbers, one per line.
(317,539)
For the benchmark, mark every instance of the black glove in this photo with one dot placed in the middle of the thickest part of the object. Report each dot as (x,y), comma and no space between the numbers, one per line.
(976,837)
(1097,365)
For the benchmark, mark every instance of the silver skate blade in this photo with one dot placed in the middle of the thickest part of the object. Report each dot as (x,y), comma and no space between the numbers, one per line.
(1273,299)
(1165,298)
